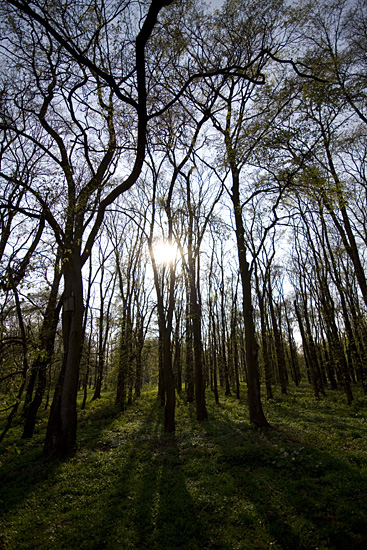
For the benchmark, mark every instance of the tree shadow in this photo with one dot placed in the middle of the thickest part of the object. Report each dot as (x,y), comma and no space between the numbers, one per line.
(294,487)
(150,507)
(25,471)
(131,486)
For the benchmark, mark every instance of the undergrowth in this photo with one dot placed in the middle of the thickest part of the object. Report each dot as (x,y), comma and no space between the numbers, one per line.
(219,484)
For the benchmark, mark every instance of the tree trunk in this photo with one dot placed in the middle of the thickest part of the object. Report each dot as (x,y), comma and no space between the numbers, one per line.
(62,424)
(234,342)
(123,361)
(47,341)
(14,410)
(100,370)
(177,355)
(265,351)
(169,383)
(201,411)
(189,359)
(224,361)
(138,358)
(257,416)
(214,349)
(85,385)
(310,355)
(279,351)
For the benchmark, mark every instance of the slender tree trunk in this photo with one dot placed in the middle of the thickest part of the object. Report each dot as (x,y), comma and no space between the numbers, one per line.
(138,359)
(201,411)
(214,350)
(177,355)
(309,350)
(189,359)
(265,351)
(44,358)
(257,416)
(169,383)
(101,354)
(195,309)
(264,338)
(46,348)
(124,358)
(352,347)
(224,361)
(279,352)
(345,229)
(14,409)
(234,342)
(161,385)
(293,355)
(85,385)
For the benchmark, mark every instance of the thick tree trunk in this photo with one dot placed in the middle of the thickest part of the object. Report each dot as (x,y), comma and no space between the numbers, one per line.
(62,424)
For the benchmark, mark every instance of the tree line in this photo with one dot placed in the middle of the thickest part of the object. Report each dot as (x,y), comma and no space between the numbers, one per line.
(236,137)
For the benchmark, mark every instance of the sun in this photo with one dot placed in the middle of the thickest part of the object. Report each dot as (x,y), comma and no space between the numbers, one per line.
(165,253)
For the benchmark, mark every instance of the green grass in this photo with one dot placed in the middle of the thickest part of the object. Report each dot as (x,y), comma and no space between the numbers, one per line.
(217,485)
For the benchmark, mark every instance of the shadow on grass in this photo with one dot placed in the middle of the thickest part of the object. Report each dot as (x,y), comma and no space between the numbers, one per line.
(218,485)
(125,488)
(150,506)
(303,497)
(25,471)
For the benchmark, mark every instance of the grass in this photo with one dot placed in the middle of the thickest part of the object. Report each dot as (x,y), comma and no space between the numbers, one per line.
(219,485)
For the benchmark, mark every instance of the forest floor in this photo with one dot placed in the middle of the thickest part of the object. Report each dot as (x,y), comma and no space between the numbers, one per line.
(218,485)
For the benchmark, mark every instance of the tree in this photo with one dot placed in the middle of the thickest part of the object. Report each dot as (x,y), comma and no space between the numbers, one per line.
(68,70)
(106,294)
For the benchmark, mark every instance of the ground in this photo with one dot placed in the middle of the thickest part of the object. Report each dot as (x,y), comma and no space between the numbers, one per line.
(219,484)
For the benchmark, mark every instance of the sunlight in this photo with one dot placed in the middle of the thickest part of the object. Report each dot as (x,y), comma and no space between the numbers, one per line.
(165,253)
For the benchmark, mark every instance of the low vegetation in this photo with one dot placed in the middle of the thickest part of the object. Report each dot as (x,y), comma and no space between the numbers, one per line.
(219,484)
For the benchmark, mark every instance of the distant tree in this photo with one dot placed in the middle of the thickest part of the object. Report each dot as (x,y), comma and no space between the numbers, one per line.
(105,297)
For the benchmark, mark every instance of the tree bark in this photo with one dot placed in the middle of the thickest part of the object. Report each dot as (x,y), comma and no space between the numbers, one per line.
(256,412)
(62,424)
